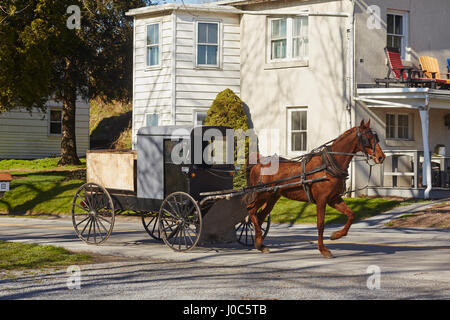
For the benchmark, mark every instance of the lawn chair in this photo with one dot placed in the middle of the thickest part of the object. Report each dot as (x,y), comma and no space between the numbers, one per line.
(407,76)
(430,66)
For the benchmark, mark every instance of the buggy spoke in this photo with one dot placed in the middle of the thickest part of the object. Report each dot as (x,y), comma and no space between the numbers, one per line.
(101,224)
(87,224)
(83,220)
(82,208)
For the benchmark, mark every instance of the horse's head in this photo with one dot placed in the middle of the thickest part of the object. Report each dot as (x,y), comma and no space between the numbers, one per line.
(368,143)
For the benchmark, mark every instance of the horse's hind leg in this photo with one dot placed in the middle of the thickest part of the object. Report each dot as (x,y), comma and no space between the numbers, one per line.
(340,206)
(267,208)
(253,214)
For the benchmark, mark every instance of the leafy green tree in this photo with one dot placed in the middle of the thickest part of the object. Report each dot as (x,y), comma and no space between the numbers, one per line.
(42,59)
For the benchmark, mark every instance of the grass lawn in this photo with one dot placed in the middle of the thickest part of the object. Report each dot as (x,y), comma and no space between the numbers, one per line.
(37,164)
(40,192)
(15,256)
(289,211)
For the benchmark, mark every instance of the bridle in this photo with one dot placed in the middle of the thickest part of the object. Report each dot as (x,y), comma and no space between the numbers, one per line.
(364,142)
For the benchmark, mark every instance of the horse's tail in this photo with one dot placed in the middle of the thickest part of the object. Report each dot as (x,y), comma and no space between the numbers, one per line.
(252,159)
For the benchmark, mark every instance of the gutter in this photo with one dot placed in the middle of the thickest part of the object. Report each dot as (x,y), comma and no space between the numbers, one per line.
(173,72)
(351,86)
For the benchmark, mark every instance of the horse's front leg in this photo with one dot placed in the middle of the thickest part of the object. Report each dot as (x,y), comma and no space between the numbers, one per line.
(320,207)
(340,206)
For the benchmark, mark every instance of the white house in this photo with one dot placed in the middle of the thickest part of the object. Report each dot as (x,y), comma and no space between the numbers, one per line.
(306,69)
(31,135)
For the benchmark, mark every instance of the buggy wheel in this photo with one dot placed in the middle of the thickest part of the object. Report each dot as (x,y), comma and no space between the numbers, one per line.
(150,222)
(245,231)
(180,221)
(93,213)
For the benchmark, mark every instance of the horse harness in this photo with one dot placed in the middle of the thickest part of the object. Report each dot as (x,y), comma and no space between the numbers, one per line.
(329,164)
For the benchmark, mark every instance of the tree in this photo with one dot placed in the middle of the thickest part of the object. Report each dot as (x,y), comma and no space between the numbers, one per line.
(42,59)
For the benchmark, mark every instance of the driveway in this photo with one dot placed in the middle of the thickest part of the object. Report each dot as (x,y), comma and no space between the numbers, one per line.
(371,262)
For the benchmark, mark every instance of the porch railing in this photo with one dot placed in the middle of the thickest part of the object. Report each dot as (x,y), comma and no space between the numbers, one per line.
(403,168)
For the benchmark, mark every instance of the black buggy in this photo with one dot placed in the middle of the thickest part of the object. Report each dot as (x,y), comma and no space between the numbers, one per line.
(172,179)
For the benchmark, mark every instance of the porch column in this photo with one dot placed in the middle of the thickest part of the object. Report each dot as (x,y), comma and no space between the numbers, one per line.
(426,168)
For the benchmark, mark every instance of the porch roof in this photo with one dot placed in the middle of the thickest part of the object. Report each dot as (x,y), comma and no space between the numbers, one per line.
(404,98)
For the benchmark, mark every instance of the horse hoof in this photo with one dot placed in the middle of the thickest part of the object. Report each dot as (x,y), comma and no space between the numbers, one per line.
(327,254)
(265,250)
(335,235)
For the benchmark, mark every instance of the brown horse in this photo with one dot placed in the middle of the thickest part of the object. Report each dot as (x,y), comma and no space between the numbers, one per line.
(331,161)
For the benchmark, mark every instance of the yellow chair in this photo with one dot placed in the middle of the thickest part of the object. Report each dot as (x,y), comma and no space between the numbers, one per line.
(431,67)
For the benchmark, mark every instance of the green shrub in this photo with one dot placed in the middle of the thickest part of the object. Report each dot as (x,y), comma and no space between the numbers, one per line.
(228,110)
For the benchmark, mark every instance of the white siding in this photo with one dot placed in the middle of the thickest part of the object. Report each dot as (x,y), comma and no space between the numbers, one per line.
(196,88)
(25,135)
(152,86)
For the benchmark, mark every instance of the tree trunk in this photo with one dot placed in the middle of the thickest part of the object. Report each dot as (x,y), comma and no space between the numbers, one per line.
(68,142)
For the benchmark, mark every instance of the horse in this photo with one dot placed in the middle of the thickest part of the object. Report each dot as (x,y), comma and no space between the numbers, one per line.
(331,161)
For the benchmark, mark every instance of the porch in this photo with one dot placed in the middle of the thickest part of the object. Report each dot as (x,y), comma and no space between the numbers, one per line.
(401,175)
(414,129)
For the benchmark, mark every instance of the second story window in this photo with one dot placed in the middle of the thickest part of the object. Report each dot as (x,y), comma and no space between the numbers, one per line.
(288,38)
(208,44)
(152,45)
(397,35)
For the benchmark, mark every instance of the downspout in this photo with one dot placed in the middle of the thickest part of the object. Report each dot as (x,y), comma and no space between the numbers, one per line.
(350,64)
(351,83)
(173,72)
(426,172)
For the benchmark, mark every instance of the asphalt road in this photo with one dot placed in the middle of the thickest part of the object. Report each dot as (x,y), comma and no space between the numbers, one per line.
(370,263)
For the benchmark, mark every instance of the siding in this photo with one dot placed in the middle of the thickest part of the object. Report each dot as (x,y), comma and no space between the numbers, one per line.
(196,88)
(24,135)
(427,20)
(152,87)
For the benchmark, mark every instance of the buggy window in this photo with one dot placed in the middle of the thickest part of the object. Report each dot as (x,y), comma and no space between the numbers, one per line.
(177,152)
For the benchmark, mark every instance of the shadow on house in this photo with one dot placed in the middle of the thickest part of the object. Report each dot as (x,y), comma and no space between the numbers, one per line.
(108,131)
